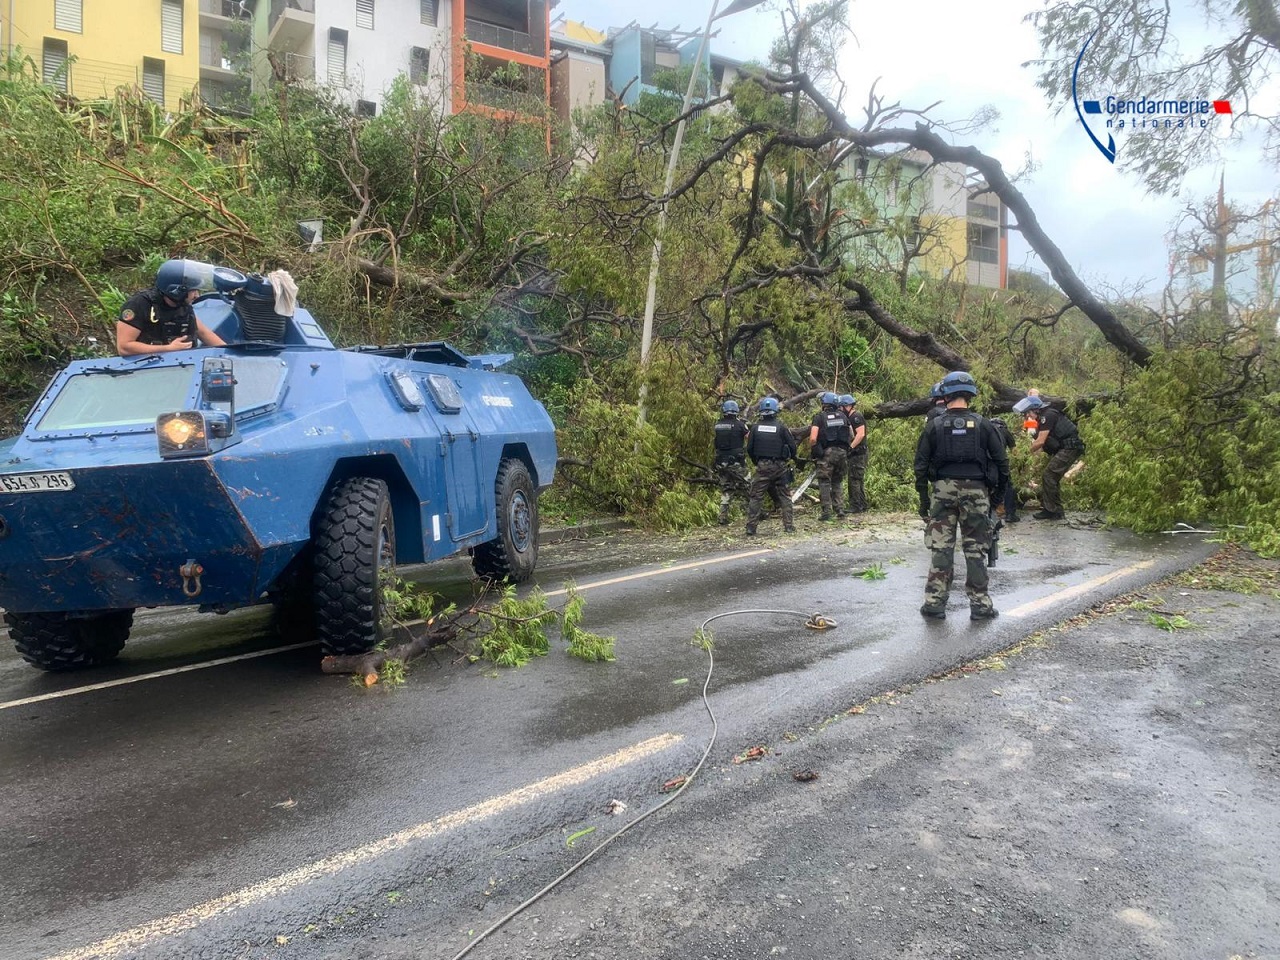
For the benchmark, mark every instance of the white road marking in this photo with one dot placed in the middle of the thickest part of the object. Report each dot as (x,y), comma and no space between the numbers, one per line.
(107,684)
(663,571)
(72,691)
(178,923)
(1080,588)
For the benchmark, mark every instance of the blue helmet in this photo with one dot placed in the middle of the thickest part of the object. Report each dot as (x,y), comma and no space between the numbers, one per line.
(958,382)
(936,391)
(1028,403)
(829,399)
(729,408)
(847,399)
(768,406)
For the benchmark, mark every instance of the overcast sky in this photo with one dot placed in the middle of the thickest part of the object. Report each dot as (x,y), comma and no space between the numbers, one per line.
(970,57)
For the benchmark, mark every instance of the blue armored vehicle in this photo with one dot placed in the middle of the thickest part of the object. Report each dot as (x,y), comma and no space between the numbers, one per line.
(276,468)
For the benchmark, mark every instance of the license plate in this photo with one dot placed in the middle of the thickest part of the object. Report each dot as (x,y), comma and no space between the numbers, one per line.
(35,482)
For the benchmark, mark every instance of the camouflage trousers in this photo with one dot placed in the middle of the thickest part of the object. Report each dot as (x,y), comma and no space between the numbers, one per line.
(772,477)
(831,470)
(1051,479)
(962,503)
(857,474)
(731,477)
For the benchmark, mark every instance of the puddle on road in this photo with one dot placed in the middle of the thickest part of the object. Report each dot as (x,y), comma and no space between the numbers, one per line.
(627,693)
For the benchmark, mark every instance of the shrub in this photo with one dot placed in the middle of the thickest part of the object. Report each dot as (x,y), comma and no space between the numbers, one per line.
(1193,441)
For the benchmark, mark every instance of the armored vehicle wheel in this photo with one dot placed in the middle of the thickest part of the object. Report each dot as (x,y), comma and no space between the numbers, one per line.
(513,553)
(355,547)
(58,642)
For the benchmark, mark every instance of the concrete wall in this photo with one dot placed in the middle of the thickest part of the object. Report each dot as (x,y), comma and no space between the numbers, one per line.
(578,80)
(624,66)
(376,57)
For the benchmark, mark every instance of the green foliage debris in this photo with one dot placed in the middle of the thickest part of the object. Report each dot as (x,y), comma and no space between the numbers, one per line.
(590,647)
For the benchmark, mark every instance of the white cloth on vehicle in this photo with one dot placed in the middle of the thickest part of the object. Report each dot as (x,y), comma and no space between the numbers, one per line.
(286,290)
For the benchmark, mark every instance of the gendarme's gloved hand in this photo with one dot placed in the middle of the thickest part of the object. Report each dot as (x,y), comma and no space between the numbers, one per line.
(924,507)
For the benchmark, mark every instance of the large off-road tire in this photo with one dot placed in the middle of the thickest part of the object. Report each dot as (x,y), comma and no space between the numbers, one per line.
(58,642)
(355,549)
(513,553)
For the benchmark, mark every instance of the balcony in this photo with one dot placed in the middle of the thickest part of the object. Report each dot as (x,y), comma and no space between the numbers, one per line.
(504,38)
(220,14)
(293,25)
(226,97)
(505,99)
(297,67)
(218,69)
(508,87)
(983,211)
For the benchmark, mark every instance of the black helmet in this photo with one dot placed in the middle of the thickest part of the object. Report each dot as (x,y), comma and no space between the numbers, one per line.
(958,382)
(171,280)
(176,278)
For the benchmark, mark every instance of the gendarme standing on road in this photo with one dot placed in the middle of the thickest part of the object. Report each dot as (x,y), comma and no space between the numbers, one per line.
(730,465)
(960,466)
(829,437)
(771,448)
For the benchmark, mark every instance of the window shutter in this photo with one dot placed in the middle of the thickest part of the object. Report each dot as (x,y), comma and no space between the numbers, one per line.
(427,12)
(364,14)
(337,63)
(68,15)
(53,65)
(153,79)
(171,26)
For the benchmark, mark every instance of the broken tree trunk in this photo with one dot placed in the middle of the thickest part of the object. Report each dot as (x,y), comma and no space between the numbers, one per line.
(368,665)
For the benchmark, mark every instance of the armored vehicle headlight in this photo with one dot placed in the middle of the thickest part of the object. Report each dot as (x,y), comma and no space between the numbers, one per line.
(182,434)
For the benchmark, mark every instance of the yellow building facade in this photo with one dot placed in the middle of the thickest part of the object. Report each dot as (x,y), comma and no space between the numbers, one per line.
(90,48)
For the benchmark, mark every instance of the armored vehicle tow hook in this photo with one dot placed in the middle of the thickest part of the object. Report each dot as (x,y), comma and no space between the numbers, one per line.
(190,573)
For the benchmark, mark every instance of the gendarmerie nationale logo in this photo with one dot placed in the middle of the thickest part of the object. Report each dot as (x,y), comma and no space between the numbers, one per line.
(1152,115)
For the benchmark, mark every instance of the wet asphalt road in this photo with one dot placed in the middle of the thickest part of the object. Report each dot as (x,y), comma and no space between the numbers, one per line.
(123,806)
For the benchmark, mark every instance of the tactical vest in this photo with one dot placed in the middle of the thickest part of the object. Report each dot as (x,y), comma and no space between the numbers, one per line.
(857,420)
(834,430)
(958,450)
(1063,435)
(767,442)
(729,440)
(161,323)
(1006,435)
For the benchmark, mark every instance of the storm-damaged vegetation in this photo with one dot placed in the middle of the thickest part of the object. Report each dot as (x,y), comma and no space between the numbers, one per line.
(498,627)
(775,277)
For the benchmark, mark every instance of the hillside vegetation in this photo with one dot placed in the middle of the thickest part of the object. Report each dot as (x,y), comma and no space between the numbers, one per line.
(469,229)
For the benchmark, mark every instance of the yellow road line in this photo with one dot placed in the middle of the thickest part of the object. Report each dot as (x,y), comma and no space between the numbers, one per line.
(178,923)
(107,684)
(664,570)
(1081,588)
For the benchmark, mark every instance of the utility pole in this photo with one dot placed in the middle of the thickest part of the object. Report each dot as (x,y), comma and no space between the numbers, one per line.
(1221,231)
(651,297)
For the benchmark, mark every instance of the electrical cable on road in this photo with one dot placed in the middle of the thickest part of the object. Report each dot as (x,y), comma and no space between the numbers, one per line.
(814,621)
